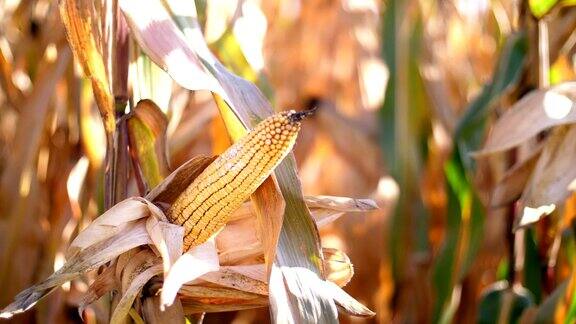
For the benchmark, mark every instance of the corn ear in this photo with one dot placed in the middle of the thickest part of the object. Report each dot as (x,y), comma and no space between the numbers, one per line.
(204,207)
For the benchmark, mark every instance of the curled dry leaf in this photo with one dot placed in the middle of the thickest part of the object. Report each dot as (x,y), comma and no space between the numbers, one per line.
(104,282)
(80,21)
(84,260)
(141,272)
(510,187)
(108,224)
(240,243)
(326,209)
(167,240)
(552,176)
(343,204)
(537,111)
(147,133)
(191,265)
(269,209)
(232,287)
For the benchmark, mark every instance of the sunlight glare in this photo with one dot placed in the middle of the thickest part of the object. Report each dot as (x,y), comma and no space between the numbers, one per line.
(388,188)
(374,76)
(250,30)
(531,215)
(556,105)
(76,178)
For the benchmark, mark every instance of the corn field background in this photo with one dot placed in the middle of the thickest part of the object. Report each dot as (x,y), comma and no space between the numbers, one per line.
(435,183)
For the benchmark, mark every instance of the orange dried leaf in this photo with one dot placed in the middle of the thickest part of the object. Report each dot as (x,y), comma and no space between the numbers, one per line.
(81,22)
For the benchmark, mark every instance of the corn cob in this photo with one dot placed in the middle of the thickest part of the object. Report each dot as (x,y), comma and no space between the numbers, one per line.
(203,208)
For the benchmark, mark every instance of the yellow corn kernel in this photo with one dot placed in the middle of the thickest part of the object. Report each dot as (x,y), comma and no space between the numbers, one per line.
(203,208)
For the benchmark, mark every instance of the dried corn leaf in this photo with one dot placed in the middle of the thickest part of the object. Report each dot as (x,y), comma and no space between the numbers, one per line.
(510,187)
(347,302)
(147,132)
(103,283)
(552,175)
(281,306)
(237,285)
(239,241)
(118,230)
(138,259)
(343,204)
(304,307)
(253,271)
(167,239)
(535,112)
(83,260)
(191,265)
(81,25)
(161,40)
(153,315)
(269,209)
(109,224)
(216,305)
(232,278)
(99,253)
(326,209)
(200,292)
(239,255)
(139,278)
